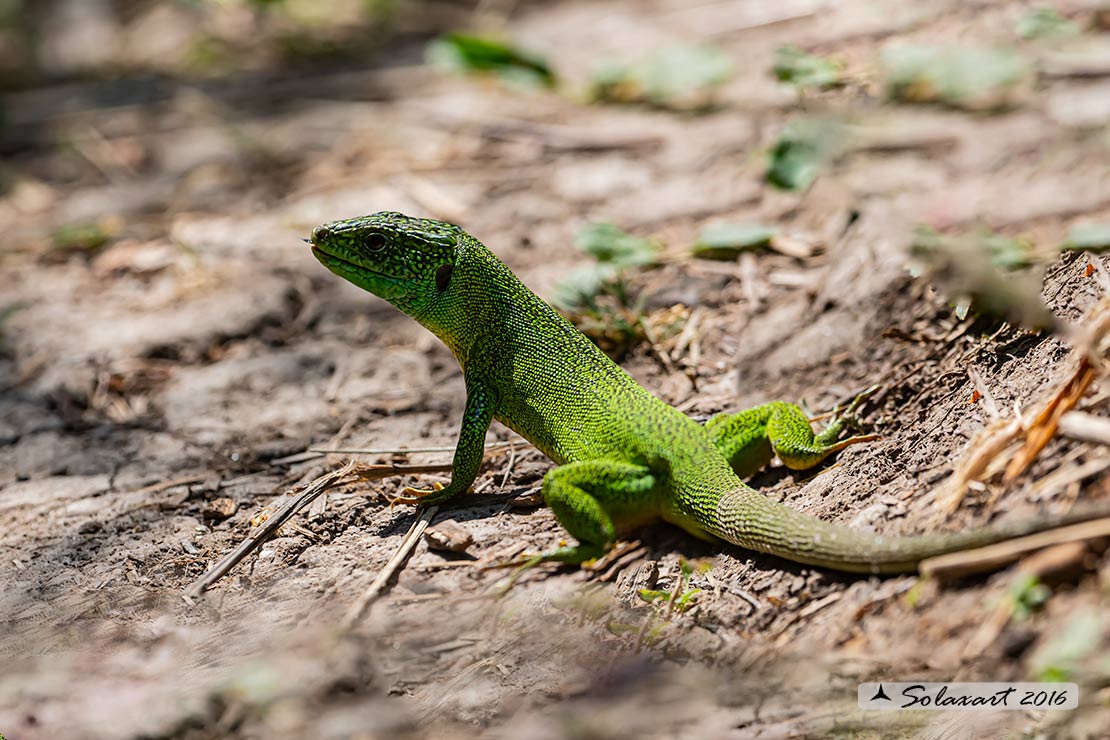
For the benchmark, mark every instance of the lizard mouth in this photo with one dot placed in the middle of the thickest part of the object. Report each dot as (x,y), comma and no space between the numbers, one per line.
(332,262)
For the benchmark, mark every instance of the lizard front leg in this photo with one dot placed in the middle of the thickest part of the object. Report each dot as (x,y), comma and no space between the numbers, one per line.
(469,451)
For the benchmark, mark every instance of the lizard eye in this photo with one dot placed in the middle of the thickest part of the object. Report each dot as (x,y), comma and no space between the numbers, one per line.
(374,242)
(443,277)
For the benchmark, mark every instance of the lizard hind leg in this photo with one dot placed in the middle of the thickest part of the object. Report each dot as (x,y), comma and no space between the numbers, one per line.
(587,496)
(741,438)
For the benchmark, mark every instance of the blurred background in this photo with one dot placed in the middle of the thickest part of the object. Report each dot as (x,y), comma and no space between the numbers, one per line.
(738,200)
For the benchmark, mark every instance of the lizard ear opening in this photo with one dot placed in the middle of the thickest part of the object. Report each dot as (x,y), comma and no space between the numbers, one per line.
(443,277)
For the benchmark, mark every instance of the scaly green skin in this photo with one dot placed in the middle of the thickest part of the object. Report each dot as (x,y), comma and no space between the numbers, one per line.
(624,457)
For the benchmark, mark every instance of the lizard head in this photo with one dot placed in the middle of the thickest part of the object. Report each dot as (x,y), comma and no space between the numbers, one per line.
(407,261)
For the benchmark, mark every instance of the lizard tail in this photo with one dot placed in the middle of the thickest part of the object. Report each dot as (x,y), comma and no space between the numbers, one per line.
(753,521)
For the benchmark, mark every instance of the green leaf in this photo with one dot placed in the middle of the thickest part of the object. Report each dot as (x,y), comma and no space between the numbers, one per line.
(726,241)
(795,67)
(804,148)
(1007,252)
(678,77)
(579,288)
(652,595)
(469,54)
(980,269)
(1039,23)
(961,77)
(1054,674)
(1094,236)
(687,599)
(610,244)
(913,596)
(622,628)
(1028,595)
(601,303)
(1004,252)
(81,237)
(678,70)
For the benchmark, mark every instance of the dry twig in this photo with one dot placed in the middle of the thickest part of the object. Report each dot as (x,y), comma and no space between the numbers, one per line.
(1044,424)
(314,452)
(1085,427)
(271,524)
(1036,430)
(993,557)
(377,586)
(261,533)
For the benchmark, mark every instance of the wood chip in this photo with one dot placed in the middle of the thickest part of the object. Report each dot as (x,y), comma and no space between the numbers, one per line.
(792,246)
(617,560)
(1056,561)
(644,576)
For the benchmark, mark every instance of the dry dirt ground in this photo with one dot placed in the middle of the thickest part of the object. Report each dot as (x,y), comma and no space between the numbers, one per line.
(160,393)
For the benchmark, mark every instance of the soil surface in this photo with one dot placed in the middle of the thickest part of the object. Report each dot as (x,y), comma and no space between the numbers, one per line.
(170,385)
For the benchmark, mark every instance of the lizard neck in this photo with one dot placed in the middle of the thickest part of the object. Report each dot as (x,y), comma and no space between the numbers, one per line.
(482,290)
(538,365)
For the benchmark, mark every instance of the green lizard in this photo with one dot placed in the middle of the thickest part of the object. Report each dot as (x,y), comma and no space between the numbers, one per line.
(624,457)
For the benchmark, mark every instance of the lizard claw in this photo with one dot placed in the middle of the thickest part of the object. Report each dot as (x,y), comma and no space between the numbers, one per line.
(410,495)
(418,492)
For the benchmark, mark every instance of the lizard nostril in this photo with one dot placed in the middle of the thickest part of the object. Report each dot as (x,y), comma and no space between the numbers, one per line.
(320,233)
